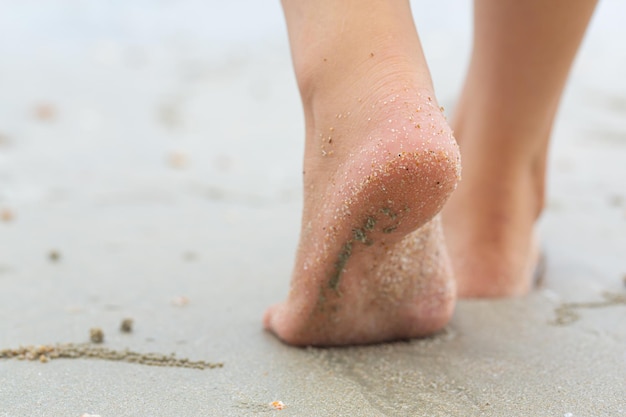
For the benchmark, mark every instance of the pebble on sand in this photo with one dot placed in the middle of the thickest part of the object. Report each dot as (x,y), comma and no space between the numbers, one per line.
(4,140)
(180,301)
(45,112)
(126,326)
(177,160)
(96,335)
(6,215)
(54,255)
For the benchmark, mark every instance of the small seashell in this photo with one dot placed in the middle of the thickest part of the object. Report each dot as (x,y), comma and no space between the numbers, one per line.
(277,405)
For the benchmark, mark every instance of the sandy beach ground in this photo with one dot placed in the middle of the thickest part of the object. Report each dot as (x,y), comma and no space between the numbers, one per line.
(150,169)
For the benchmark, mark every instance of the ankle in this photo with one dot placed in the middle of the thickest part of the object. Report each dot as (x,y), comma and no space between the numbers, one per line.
(335,41)
(367,79)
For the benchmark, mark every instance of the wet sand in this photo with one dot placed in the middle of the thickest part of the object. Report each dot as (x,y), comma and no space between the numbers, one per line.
(164,174)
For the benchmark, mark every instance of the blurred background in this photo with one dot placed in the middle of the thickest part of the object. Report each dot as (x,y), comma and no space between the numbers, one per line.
(169,99)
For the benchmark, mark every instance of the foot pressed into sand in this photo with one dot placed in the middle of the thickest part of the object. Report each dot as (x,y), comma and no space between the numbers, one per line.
(371,264)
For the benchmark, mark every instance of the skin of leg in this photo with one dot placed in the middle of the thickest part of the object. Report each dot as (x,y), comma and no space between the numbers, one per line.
(379,163)
(522,54)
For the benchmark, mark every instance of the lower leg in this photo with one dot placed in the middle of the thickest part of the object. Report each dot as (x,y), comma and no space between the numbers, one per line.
(379,163)
(523,51)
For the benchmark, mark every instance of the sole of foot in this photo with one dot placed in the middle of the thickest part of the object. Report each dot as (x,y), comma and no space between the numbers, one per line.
(371,265)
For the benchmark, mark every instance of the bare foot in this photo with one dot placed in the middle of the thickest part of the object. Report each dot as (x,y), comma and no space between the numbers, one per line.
(489,226)
(520,62)
(371,265)
(380,161)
